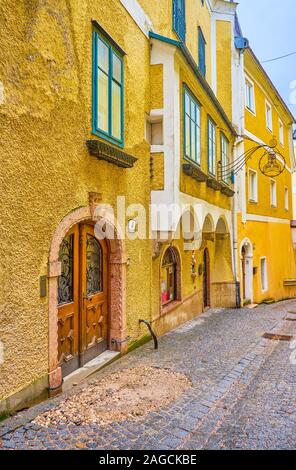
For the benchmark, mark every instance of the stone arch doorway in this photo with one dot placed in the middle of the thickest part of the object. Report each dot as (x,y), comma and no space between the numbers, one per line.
(206,279)
(246,271)
(83,292)
(115,249)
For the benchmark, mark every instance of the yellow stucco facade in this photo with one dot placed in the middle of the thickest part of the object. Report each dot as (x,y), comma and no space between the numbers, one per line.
(58,173)
(264,222)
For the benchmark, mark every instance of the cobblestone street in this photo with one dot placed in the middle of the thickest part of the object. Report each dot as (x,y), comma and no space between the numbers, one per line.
(242,394)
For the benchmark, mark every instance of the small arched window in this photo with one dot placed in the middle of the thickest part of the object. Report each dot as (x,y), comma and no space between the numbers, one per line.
(168,277)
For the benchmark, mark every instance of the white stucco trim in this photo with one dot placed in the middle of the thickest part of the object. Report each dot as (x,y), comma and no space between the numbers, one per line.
(139,16)
(266,219)
(222,6)
(157,149)
(156,113)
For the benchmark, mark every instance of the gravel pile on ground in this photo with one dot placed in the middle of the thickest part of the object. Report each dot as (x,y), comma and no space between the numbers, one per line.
(129,394)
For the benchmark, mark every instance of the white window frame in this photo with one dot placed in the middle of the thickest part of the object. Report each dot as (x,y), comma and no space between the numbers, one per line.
(267,104)
(264,287)
(273,200)
(252,109)
(286,198)
(255,198)
(281,133)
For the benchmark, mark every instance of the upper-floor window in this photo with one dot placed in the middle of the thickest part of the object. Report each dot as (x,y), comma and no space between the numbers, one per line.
(250,95)
(268,112)
(253,186)
(201,52)
(224,158)
(191,127)
(179,20)
(273,193)
(211,147)
(281,132)
(108,90)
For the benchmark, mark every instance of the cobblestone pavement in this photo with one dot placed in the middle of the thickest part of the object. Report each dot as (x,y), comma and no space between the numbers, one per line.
(242,395)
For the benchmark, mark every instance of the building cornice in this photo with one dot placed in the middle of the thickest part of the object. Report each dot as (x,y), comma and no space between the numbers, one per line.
(222,6)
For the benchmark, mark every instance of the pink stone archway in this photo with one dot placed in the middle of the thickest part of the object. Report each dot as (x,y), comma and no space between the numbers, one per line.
(117,305)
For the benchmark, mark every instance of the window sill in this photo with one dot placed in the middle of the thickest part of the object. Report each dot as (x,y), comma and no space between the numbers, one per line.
(253,201)
(107,138)
(226,190)
(191,168)
(213,183)
(103,151)
(252,111)
(169,307)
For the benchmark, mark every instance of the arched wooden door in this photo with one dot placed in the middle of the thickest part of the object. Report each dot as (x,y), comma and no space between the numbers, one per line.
(206,278)
(82,298)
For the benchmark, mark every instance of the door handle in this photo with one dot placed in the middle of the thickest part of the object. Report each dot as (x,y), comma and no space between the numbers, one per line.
(85,297)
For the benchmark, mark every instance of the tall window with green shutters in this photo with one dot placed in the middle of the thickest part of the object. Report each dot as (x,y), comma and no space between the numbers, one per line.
(108,90)
(201,52)
(179,20)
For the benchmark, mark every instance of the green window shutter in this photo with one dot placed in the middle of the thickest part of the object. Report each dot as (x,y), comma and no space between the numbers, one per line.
(179,20)
(201,52)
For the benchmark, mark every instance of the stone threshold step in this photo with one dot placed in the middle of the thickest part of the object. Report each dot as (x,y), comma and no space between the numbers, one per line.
(90,368)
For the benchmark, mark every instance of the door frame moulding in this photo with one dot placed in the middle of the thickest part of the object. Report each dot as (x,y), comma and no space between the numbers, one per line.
(117,304)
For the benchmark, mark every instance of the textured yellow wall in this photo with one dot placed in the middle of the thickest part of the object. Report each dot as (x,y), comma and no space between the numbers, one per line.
(224,57)
(156,86)
(46,171)
(157,177)
(197,15)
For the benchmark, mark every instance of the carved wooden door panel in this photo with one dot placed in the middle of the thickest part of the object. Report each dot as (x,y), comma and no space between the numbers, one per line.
(94,294)
(68,303)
